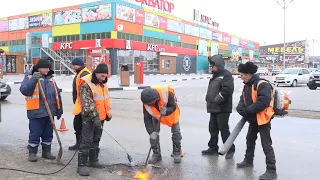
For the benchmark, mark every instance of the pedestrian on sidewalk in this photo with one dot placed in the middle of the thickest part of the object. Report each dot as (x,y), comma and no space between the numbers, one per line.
(219,105)
(39,120)
(256,106)
(81,70)
(94,105)
(161,101)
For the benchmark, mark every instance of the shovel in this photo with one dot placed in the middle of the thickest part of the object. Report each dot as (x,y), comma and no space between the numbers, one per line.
(52,122)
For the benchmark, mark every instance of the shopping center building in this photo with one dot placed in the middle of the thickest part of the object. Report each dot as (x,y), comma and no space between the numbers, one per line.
(119,32)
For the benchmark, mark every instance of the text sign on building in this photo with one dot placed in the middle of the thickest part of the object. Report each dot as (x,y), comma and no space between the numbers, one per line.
(67,45)
(197,16)
(153,47)
(163,5)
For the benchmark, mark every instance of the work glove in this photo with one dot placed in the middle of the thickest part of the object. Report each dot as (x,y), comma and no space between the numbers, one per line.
(163,111)
(97,122)
(108,118)
(59,116)
(154,139)
(36,75)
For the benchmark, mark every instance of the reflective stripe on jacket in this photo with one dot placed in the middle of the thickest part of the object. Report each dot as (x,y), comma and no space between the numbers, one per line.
(169,120)
(33,102)
(264,116)
(100,98)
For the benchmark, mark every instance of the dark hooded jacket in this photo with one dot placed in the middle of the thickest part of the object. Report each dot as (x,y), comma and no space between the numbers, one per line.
(74,87)
(250,109)
(220,89)
(27,88)
(149,95)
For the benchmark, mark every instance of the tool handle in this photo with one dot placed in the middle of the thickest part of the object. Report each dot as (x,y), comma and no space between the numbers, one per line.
(49,112)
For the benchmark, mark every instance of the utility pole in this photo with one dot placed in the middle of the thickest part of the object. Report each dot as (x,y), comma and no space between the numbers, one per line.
(313,55)
(284,7)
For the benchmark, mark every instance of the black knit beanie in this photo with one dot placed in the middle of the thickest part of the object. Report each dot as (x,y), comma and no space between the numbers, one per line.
(247,68)
(102,68)
(43,63)
(148,95)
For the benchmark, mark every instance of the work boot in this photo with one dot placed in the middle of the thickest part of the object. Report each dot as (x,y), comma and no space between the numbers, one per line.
(76,146)
(244,164)
(94,158)
(269,175)
(83,169)
(46,153)
(210,151)
(32,156)
(176,153)
(156,156)
(229,155)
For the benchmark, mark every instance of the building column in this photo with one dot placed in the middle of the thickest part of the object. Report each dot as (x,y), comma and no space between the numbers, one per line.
(114,61)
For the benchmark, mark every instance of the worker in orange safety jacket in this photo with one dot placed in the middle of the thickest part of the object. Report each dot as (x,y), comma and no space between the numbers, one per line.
(161,101)
(94,105)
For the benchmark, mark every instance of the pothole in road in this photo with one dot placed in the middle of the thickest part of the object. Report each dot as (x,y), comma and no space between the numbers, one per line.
(154,172)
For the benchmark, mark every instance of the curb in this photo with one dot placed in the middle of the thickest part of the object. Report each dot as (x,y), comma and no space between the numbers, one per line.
(113,89)
(186,79)
(11,83)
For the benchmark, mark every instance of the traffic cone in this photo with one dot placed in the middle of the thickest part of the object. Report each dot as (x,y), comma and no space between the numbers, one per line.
(63,126)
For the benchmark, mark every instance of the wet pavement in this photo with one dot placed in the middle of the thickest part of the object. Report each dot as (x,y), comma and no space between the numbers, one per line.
(295,140)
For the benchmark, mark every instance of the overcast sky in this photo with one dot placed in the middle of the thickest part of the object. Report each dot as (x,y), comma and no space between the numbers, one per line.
(258,20)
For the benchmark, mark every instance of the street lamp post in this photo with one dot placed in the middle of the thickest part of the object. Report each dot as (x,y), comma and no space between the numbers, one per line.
(284,7)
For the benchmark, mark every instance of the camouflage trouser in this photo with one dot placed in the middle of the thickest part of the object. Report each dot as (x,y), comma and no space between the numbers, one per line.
(91,135)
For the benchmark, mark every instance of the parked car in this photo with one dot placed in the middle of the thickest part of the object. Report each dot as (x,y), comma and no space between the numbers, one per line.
(314,80)
(314,70)
(275,71)
(263,71)
(293,76)
(5,89)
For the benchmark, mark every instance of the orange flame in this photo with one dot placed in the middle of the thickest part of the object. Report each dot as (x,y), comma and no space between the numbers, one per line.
(141,176)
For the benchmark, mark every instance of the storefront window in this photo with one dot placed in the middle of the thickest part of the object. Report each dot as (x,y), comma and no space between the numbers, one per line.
(151,62)
(11,64)
(131,57)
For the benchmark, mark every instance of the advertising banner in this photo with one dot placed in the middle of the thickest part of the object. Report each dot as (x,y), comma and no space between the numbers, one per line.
(67,17)
(250,45)
(186,64)
(226,38)
(163,22)
(191,30)
(139,16)
(175,26)
(243,44)
(203,48)
(251,55)
(216,36)
(96,13)
(125,13)
(41,20)
(205,33)
(235,41)
(4,25)
(18,24)
(152,20)
(214,48)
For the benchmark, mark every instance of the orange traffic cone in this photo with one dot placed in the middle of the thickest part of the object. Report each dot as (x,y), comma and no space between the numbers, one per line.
(63,126)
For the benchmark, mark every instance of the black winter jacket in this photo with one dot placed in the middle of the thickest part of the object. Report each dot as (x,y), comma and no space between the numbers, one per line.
(250,109)
(74,87)
(220,90)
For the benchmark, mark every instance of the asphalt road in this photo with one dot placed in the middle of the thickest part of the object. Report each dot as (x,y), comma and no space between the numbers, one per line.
(295,140)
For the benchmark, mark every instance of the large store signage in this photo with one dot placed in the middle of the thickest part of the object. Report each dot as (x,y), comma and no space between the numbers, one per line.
(153,47)
(292,48)
(96,13)
(67,45)
(203,18)
(18,24)
(67,17)
(41,20)
(163,5)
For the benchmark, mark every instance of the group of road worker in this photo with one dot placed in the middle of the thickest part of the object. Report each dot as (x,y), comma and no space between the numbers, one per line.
(92,108)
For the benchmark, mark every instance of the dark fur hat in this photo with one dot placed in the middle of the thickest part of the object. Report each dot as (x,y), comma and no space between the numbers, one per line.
(247,68)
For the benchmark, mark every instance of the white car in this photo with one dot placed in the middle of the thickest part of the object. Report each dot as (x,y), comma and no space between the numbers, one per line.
(263,71)
(293,77)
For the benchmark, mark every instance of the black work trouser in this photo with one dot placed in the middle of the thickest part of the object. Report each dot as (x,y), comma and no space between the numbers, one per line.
(219,122)
(91,135)
(77,124)
(266,143)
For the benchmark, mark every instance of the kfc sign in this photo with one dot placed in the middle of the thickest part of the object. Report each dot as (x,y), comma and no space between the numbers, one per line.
(152,47)
(203,18)
(67,45)
(163,5)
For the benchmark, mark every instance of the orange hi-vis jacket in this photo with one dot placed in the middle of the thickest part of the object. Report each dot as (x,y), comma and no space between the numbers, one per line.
(33,102)
(264,116)
(100,98)
(78,79)
(171,119)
